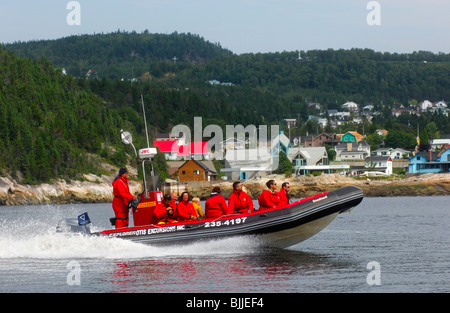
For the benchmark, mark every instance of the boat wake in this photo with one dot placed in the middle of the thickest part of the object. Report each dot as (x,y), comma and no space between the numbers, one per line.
(38,240)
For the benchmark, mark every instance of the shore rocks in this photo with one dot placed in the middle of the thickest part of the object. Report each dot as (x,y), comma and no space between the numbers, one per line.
(87,191)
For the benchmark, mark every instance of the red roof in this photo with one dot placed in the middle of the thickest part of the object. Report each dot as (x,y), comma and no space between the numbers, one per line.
(166,145)
(199,147)
(171,146)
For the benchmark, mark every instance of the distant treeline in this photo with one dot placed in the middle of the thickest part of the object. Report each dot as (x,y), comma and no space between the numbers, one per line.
(330,76)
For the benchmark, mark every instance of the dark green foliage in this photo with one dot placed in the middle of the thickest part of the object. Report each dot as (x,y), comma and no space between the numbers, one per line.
(284,165)
(122,54)
(52,124)
(49,125)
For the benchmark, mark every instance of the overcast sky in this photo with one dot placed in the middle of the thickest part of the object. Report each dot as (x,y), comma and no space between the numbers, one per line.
(244,25)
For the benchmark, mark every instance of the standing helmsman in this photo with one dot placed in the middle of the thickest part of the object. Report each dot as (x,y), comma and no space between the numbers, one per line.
(122,198)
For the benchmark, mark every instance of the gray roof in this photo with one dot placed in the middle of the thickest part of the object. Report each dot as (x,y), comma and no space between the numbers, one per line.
(311,154)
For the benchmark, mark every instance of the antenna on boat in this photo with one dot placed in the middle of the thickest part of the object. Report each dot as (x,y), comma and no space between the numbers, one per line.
(146,154)
(145,120)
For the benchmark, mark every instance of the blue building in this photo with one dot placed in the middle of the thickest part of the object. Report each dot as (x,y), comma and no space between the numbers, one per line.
(430,162)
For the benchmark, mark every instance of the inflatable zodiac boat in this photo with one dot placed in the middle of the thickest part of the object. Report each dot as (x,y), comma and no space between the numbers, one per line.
(280,227)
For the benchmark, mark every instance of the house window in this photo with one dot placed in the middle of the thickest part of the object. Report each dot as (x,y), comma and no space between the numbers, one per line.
(196,172)
(183,172)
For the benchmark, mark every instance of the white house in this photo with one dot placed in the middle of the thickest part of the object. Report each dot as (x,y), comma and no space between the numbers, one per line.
(248,164)
(352,151)
(351,106)
(399,153)
(308,156)
(232,144)
(396,153)
(437,144)
(379,164)
(441,107)
(313,159)
(424,105)
(440,104)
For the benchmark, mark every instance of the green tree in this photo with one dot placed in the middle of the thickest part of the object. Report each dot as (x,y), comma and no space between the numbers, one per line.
(284,165)
(400,139)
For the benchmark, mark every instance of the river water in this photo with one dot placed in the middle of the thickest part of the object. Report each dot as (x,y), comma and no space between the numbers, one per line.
(382,245)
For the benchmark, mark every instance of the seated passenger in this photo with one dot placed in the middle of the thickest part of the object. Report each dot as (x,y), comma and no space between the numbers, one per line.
(173,203)
(164,213)
(197,207)
(216,206)
(284,194)
(185,209)
(239,201)
(269,199)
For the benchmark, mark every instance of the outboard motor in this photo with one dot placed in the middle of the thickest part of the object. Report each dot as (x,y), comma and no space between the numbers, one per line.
(81,224)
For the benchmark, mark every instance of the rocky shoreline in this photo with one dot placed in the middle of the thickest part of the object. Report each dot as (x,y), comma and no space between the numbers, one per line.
(93,189)
(98,189)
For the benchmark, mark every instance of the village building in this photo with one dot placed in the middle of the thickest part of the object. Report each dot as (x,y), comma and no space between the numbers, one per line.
(248,164)
(424,105)
(193,170)
(350,136)
(438,144)
(396,153)
(320,140)
(430,162)
(352,151)
(374,166)
(281,143)
(232,144)
(307,160)
(381,132)
(350,106)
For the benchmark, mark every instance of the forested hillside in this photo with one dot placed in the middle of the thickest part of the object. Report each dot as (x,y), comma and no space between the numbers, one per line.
(330,76)
(122,54)
(54,124)
(49,124)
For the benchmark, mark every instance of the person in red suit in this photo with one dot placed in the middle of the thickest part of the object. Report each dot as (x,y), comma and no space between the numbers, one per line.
(173,203)
(185,209)
(269,199)
(284,193)
(216,205)
(122,198)
(239,201)
(164,212)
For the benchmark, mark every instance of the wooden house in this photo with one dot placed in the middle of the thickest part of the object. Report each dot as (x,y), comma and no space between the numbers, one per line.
(193,170)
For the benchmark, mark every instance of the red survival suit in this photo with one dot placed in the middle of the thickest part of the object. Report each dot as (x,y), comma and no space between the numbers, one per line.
(161,215)
(122,197)
(284,197)
(216,206)
(239,202)
(269,200)
(185,210)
